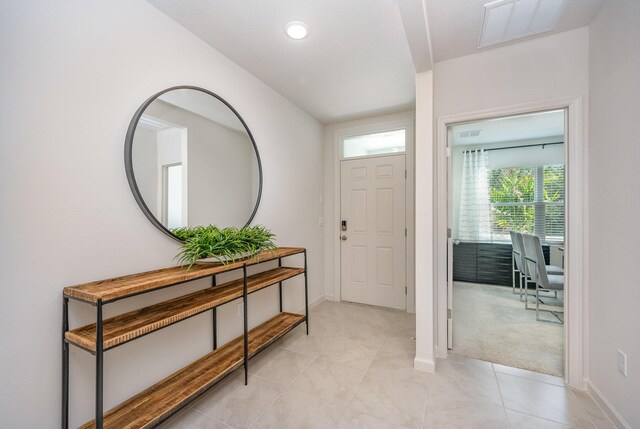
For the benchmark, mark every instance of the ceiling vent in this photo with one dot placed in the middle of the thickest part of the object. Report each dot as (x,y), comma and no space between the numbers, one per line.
(506,20)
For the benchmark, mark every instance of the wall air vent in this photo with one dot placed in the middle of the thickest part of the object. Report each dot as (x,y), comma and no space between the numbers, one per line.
(506,20)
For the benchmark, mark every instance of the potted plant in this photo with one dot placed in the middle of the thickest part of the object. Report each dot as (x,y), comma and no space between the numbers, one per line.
(223,245)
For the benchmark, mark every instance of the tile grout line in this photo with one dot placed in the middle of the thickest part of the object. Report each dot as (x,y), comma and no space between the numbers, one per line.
(549,384)
(424,409)
(364,374)
(504,409)
(366,371)
(253,375)
(584,409)
(287,388)
(539,418)
(528,378)
(192,410)
(213,418)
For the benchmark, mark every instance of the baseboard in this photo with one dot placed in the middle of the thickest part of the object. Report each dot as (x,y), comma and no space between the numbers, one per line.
(426,365)
(442,354)
(316,302)
(312,304)
(606,406)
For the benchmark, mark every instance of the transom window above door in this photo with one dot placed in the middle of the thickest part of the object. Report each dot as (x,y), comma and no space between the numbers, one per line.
(381,143)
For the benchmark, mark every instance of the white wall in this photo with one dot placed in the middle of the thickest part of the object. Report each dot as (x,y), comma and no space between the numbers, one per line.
(72,74)
(538,69)
(425,224)
(614,153)
(530,72)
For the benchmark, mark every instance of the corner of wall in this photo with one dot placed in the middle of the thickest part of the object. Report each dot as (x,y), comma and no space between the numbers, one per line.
(424,229)
(425,365)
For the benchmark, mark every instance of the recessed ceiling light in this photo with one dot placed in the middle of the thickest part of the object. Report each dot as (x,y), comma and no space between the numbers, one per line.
(297,30)
(506,20)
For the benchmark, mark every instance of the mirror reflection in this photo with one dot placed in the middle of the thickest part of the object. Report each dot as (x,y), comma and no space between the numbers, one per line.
(194,162)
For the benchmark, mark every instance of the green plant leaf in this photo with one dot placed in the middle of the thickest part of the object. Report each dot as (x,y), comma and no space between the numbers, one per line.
(223,244)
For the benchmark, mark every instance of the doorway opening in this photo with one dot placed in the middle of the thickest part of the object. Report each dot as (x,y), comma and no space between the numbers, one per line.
(506,219)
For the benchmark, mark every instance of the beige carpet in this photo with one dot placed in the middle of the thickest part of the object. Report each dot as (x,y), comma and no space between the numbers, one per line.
(491,324)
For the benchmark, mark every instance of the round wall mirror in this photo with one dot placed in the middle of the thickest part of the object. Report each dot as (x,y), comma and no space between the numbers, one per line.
(191,160)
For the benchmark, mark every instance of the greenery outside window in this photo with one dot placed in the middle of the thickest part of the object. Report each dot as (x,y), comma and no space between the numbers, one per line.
(529,200)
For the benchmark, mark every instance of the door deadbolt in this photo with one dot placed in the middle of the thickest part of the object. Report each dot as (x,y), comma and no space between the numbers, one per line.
(343,225)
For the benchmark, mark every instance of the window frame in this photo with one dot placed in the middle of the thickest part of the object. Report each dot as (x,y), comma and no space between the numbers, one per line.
(344,137)
(539,206)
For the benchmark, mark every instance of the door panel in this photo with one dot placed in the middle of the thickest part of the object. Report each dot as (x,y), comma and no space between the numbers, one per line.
(384,211)
(373,251)
(359,210)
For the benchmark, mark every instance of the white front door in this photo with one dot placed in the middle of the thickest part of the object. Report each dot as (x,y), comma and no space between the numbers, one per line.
(372,195)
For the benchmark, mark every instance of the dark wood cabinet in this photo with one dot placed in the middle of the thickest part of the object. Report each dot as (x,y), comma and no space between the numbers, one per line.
(465,262)
(488,263)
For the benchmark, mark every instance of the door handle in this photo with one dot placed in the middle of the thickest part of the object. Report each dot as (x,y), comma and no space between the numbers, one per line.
(456,242)
(343,238)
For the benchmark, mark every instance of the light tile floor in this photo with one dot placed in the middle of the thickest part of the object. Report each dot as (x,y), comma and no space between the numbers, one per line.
(355,370)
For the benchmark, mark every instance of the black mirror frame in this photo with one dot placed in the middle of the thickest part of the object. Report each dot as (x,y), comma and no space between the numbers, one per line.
(128,156)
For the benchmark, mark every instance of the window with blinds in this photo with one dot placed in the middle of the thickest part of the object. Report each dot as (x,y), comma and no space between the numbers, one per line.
(529,199)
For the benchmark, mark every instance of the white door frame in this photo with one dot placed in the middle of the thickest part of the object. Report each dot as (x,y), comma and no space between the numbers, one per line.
(393,122)
(576,240)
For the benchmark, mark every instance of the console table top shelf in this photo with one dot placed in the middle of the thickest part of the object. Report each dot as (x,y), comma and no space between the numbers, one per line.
(134,284)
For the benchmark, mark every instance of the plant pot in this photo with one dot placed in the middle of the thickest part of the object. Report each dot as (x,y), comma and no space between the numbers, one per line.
(225,259)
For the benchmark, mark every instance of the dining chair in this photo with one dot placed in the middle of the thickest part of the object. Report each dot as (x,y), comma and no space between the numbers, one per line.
(519,254)
(517,261)
(519,267)
(536,267)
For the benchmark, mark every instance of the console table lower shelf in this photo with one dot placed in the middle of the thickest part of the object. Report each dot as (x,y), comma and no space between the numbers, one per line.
(152,406)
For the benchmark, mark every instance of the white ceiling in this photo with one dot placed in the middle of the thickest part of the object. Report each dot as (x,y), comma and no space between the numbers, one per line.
(511,128)
(204,105)
(360,56)
(355,62)
(455,25)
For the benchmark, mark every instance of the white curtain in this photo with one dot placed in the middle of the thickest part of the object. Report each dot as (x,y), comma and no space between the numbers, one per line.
(474,222)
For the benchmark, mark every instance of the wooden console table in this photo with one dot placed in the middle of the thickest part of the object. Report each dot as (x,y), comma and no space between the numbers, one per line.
(155,404)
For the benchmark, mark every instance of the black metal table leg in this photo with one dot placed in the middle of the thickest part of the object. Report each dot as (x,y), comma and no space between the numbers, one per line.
(246,326)
(280,285)
(306,294)
(214,316)
(65,364)
(99,366)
